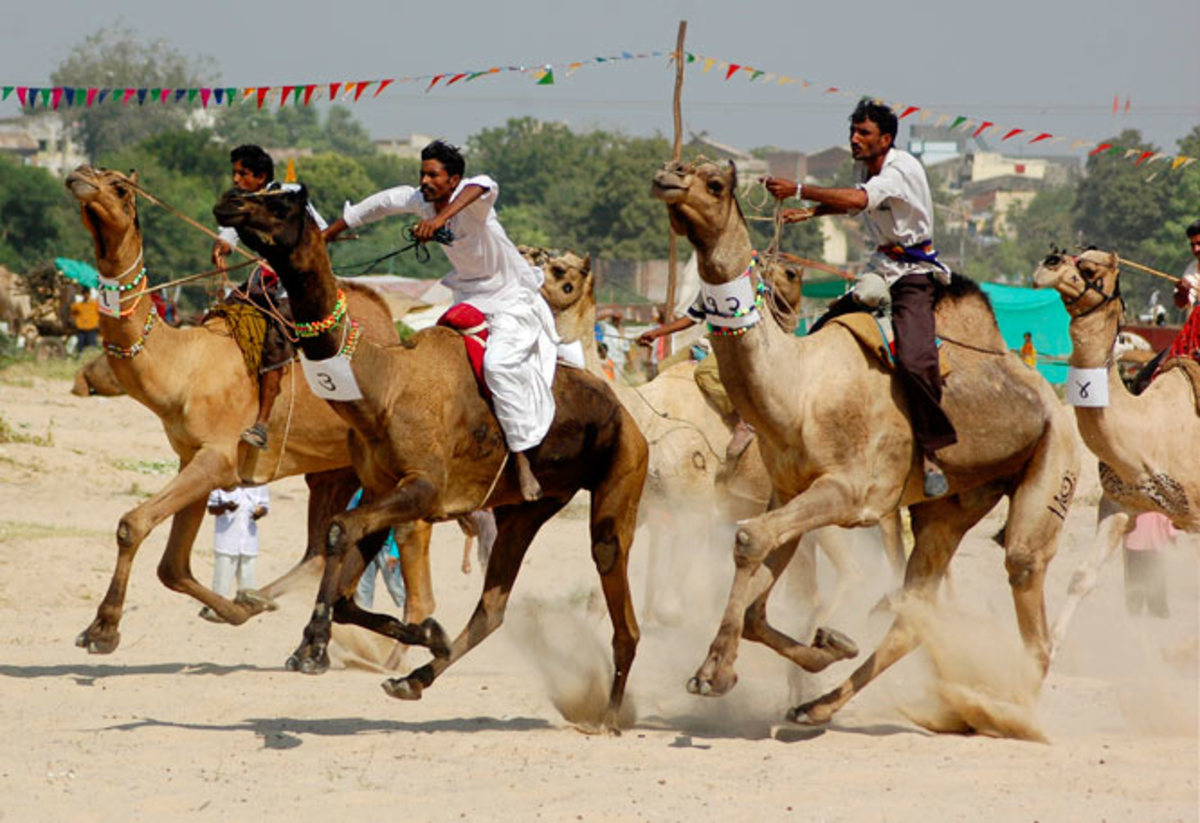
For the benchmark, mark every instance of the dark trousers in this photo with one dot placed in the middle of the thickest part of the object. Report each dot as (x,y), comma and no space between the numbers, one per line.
(916,356)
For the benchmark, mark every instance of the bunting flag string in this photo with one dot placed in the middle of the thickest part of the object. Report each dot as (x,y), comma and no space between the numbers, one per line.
(542,74)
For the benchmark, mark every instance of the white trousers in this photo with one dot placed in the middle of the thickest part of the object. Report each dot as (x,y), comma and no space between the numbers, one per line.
(226,566)
(518,365)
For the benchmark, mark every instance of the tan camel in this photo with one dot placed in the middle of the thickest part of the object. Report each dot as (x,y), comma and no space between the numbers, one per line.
(427,445)
(690,489)
(839,449)
(96,377)
(1149,444)
(194,379)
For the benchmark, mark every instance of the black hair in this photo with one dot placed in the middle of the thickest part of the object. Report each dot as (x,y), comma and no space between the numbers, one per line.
(878,113)
(1193,229)
(449,156)
(254,159)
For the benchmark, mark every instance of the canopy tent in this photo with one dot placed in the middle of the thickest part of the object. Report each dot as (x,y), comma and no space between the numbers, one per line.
(82,273)
(1039,312)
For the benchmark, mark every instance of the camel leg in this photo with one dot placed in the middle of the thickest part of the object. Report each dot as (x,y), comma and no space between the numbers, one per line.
(329,492)
(826,502)
(410,501)
(1112,521)
(413,542)
(197,476)
(938,527)
(835,544)
(516,527)
(892,532)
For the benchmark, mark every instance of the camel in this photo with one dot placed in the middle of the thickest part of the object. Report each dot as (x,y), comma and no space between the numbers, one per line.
(1146,443)
(687,434)
(96,377)
(194,379)
(427,445)
(839,449)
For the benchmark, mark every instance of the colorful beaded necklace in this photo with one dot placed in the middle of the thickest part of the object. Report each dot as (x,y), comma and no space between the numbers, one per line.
(126,352)
(319,327)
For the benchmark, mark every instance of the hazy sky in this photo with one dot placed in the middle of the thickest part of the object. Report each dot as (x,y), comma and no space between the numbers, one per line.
(1042,65)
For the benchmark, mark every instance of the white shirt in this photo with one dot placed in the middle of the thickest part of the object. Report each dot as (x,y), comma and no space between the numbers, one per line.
(230,235)
(236,532)
(489,272)
(899,212)
(1191,276)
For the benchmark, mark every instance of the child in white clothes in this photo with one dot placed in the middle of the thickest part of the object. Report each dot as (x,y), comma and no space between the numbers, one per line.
(235,539)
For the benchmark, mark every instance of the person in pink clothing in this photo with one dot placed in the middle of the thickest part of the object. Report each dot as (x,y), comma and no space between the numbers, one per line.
(1145,570)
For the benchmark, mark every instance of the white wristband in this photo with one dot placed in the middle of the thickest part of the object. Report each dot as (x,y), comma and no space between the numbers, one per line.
(799,188)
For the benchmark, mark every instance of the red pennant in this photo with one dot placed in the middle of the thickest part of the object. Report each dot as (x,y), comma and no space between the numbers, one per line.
(433,82)
(986,124)
(21,92)
(1012,133)
(55,96)
(165,94)
(283,95)
(361,86)
(1127,105)
(129,95)
(204,95)
(733,68)
(308,93)
(91,96)
(909,111)
(333,90)
(383,84)
(456,78)
(1116,104)
(1143,157)
(262,94)
(1043,136)
(1100,148)
(831,90)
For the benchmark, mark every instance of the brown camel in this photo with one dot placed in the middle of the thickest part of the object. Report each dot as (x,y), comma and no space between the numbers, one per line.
(1147,444)
(194,379)
(839,448)
(96,377)
(427,445)
(687,469)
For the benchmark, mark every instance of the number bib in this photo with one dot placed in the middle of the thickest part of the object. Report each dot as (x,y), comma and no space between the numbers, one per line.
(110,297)
(730,305)
(1087,387)
(332,378)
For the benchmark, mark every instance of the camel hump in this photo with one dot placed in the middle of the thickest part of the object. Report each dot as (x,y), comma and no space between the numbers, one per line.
(1191,370)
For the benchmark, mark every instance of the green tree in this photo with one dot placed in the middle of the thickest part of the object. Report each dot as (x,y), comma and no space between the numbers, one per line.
(293,126)
(36,216)
(116,57)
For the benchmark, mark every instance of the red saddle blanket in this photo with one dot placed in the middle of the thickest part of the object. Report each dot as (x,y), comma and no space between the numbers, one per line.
(472,325)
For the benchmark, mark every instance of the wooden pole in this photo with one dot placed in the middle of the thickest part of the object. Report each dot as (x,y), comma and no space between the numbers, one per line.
(668,313)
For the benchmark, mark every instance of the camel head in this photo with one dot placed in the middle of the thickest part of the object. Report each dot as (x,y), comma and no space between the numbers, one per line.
(701,200)
(569,280)
(785,280)
(1085,282)
(271,223)
(108,205)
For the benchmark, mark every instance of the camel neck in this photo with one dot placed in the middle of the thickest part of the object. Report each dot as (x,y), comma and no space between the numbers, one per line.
(314,296)
(1093,336)
(124,282)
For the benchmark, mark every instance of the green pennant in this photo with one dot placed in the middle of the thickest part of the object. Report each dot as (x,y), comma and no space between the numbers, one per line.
(547,79)
(192,95)
(475,74)
(155,94)
(229,93)
(691,58)
(958,121)
(757,74)
(46,97)
(296,94)
(7,91)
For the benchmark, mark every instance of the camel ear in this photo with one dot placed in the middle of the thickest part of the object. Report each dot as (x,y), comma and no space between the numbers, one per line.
(732,176)
(587,263)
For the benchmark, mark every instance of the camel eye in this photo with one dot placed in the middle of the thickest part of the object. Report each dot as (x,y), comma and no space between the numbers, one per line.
(715,187)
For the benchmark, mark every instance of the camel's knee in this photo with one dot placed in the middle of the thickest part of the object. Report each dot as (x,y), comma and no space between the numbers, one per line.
(1023,568)
(751,545)
(337,538)
(754,625)
(605,552)
(131,530)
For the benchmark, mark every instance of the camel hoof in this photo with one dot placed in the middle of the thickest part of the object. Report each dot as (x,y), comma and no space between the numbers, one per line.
(435,638)
(96,645)
(810,714)
(307,663)
(694,686)
(835,642)
(403,688)
(256,601)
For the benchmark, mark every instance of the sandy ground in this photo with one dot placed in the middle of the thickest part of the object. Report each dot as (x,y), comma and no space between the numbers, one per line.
(193,721)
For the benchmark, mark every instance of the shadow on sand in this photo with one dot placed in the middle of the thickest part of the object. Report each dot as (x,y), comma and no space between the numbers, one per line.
(86,674)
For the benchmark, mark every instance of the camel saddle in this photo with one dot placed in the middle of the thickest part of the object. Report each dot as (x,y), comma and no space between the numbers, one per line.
(471,323)
(1191,370)
(871,334)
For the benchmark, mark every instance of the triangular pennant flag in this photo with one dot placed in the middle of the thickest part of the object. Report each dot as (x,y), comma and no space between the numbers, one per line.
(21,92)
(333,90)
(154,93)
(359,87)
(141,96)
(1011,133)
(56,94)
(229,95)
(1100,148)
(573,66)
(290,175)
(1178,161)
(941,121)
(1130,153)
(191,95)
(204,95)
(831,90)
(383,84)
(1118,150)
(456,78)
(547,78)
(283,94)
(296,94)
(45,96)
(262,92)
(733,69)
(984,126)
(5,92)
(69,94)
(709,62)
(104,93)
(627,55)
(308,93)
(166,95)
(1043,136)
(908,111)
(757,73)
(1116,103)
(925,115)
(1189,161)
(768,77)
(958,121)
(434,81)
(91,97)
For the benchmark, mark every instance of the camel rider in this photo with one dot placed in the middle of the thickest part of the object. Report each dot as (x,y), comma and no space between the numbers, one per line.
(707,377)
(1187,295)
(893,196)
(254,171)
(489,274)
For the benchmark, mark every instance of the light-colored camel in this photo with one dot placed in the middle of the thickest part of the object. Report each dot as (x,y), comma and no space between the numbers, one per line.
(194,379)
(688,481)
(427,445)
(96,377)
(839,448)
(1148,444)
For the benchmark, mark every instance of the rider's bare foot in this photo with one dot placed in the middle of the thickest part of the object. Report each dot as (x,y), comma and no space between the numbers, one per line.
(531,490)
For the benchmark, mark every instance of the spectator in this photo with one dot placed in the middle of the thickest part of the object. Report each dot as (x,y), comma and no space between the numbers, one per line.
(1028,352)
(1145,570)
(235,539)
(85,316)
(387,563)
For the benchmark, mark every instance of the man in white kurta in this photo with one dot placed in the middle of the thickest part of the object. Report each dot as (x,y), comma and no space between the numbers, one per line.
(235,538)
(490,274)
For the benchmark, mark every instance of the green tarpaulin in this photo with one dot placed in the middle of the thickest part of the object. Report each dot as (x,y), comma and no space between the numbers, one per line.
(82,273)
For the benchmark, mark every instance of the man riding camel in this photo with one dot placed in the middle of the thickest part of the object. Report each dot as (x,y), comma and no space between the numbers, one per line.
(254,171)
(893,196)
(489,274)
